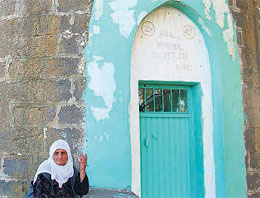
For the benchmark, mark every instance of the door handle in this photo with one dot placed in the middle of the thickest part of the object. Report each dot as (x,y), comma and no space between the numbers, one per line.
(146,142)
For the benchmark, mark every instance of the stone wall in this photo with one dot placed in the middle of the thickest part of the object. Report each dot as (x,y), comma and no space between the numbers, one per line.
(41,83)
(247,17)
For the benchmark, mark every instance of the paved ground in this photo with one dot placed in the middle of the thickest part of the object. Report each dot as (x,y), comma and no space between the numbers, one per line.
(107,193)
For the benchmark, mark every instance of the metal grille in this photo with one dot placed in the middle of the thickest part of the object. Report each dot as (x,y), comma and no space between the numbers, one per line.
(162,99)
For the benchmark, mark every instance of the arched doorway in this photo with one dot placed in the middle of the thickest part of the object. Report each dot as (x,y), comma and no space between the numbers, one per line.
(169,56)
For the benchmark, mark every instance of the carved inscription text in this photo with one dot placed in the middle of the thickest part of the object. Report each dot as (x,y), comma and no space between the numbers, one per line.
(169,51)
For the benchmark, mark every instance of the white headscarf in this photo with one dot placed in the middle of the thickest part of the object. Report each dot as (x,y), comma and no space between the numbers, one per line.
(60,173)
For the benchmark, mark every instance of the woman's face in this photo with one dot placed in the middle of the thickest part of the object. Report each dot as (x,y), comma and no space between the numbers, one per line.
(60,157)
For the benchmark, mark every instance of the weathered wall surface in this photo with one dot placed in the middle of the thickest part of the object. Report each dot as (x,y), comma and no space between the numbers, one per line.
(247,17)
(108,117)
(41,83)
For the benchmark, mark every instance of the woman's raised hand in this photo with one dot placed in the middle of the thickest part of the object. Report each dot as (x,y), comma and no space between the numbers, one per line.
(82,162)
(82,166)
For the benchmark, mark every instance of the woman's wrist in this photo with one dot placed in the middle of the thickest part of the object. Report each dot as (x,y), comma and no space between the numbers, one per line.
(82,174)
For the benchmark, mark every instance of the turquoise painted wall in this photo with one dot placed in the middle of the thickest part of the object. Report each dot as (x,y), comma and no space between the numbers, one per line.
(108,55)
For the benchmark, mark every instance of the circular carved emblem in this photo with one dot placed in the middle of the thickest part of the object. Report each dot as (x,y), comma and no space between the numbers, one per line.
(148,28)
(189,32)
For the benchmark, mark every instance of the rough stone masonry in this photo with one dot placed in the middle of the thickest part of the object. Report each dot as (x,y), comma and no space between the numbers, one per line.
(41,83)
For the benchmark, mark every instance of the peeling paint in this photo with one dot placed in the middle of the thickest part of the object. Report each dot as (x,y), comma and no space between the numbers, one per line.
(106,136)
(221,10)
(100,113)
(103,84)
(228,36)
(123,16)
(102,138)
(99,9)
(98,58)
(207,4)
(96,29)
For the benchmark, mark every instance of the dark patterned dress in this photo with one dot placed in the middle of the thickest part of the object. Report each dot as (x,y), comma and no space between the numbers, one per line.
(43,188)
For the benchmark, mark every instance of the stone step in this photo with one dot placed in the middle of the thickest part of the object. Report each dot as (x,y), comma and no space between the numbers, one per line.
(109,193)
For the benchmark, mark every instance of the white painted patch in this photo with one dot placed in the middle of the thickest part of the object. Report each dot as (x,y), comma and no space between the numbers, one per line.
(228,36)
(96,29)
(90,36)
(207,4)
(106,136)
(141,16)
(166,49)
(100,113)
(221,10)
(201,22)
(101,139)
(122,4)
(103,84)
(123,16)
(99,9)
(98,58)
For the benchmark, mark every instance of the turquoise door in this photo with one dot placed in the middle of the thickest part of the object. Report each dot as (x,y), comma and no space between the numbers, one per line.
(168,151)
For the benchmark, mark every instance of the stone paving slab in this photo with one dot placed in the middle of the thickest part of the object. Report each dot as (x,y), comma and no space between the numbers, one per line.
(109,193)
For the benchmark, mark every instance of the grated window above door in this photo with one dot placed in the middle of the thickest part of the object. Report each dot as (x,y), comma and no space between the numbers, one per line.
(160,99)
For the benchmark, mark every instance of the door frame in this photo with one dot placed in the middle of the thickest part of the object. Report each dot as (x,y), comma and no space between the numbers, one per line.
(195,138)
(162,114)
(197,115)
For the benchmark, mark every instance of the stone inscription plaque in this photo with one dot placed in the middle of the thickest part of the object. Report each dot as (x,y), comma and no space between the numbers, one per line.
(168,43)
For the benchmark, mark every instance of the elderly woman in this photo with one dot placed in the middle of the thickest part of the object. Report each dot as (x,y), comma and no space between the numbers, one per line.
(57,177)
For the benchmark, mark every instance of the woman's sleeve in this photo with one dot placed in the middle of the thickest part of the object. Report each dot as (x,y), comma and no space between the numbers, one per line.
(81,188)
(41,187)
